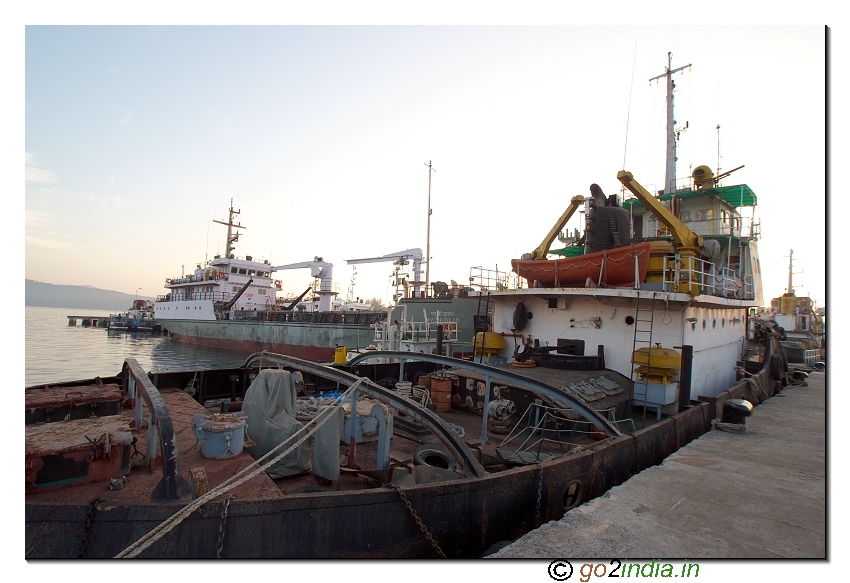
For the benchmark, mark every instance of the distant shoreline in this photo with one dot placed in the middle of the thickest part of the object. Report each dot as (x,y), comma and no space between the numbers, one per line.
(47,295)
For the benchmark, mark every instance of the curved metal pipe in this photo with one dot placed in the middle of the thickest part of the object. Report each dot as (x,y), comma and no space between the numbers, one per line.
(523,382)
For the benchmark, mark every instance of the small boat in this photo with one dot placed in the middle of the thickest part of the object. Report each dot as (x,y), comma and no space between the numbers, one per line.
(607,268)
(139,318)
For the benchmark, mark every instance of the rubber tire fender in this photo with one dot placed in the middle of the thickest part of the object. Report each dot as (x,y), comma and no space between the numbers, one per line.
(428,457)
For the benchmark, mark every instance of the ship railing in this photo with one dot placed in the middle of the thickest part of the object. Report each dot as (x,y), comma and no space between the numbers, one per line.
(493,279)
(160,430)
(705,278)
(361,318)
(413,332)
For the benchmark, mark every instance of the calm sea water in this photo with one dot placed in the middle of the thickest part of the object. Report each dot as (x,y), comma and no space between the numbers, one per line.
(58,352)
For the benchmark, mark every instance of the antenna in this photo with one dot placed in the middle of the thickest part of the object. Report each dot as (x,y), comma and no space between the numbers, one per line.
(428,232)
(718,151)
(628,114)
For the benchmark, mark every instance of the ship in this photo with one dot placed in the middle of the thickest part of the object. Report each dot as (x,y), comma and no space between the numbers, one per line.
(570,391)
(800,323)
(233,302)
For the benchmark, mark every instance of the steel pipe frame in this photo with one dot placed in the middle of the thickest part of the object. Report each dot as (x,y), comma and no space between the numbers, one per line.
(491,373)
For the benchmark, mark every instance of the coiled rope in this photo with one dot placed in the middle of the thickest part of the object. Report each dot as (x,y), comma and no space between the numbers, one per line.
(167,525)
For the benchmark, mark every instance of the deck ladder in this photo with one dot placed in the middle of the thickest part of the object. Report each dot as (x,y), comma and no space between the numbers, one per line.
(644,316)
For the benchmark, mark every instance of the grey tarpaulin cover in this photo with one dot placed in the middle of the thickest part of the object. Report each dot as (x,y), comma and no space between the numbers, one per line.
(270,405)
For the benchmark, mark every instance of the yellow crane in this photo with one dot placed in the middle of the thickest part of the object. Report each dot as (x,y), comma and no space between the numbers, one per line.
(688,244)
(542,249)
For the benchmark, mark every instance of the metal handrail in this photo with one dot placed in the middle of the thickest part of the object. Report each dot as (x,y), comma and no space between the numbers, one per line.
(160,428)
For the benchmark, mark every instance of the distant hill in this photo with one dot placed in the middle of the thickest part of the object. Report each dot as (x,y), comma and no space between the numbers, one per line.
(48,295)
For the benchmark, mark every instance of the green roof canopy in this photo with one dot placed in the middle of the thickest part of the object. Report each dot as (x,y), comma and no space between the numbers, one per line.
(737,196)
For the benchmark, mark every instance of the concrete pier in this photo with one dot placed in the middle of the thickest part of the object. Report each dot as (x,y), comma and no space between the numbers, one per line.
(759,494)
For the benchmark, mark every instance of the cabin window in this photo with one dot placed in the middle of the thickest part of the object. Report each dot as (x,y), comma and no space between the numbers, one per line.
(553,303)
(235,288)
(261,291)
(252,272)
(705,215)
(243,271)
(685,216)
(233,270)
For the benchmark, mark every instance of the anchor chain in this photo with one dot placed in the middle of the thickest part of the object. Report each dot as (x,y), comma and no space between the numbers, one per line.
(539,492)
(220,542)
(87,528)
(418,520)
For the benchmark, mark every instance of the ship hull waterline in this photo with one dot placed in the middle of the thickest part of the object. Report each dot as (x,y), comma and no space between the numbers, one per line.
(314,342)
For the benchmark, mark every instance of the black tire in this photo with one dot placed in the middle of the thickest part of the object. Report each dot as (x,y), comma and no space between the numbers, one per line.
(434,458)
(520,316)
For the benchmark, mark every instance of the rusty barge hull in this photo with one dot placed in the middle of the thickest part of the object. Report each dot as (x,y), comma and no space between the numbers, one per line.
(309,341)
(465,517)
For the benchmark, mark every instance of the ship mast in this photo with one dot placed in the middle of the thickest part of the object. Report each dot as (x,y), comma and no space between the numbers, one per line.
(428,232)
(231,236)
(672,134)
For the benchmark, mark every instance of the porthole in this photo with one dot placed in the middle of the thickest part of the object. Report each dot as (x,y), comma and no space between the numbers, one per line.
(723,323)
(703,324)
(629,320)
(714,323)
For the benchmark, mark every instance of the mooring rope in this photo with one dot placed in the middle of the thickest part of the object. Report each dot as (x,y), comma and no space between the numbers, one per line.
(167,525)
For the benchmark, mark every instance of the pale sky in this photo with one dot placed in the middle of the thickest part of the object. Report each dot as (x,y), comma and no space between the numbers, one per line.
(138,137)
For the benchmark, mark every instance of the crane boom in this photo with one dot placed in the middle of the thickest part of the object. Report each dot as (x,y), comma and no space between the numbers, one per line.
(321,270)
(542,249)
(399,258)
(687,242)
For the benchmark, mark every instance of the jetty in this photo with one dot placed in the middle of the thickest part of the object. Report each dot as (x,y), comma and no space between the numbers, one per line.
(758,494)
(93,321)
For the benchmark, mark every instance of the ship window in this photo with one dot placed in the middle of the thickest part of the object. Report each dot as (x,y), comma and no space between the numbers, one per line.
(243,271)
(553,302)
(233,270)
(714,323)
(252,272)
(703,324)
(261,291)
(235,288)
(637,226)
(685,216)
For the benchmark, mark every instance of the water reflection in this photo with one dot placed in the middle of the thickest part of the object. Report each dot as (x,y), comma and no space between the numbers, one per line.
(55,351)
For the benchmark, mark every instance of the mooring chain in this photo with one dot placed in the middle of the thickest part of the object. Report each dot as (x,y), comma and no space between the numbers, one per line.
(418,520)
(87,528)
(539,492)
(220,542)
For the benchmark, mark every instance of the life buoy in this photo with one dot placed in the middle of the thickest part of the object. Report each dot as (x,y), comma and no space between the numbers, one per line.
(277,283)
(447,331)
(191,290)
(219,276)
